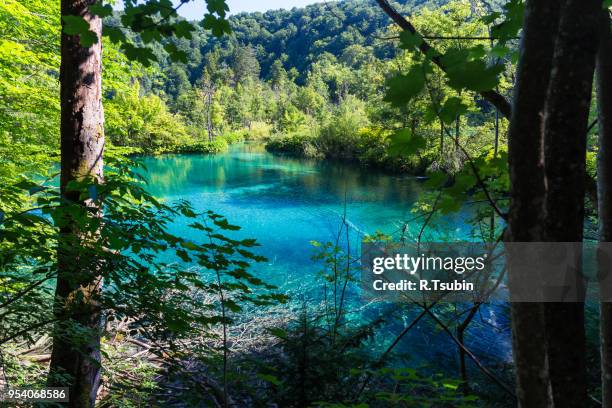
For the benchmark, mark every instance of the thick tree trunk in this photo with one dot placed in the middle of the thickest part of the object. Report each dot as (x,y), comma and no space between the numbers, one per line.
(604,192)
(526,167)
(78,284)
(565,131)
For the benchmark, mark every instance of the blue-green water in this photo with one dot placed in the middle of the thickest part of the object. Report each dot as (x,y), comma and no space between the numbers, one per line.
(286,203)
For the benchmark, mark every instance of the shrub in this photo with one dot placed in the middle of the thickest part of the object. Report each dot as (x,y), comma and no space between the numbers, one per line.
(216,146)
(232,137)
(338,137)
(144,122)
(298,144)
(259,130)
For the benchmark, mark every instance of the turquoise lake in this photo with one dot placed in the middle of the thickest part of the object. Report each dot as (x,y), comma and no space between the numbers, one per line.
(285,203)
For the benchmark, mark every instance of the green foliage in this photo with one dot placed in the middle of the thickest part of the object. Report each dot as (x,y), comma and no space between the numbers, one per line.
(143,122)
(152,21)
(317,83)
(401,89)
(296,144)
(77,25)
(218,145)
(339,134)
(412,389)
(141,259)
(317,364)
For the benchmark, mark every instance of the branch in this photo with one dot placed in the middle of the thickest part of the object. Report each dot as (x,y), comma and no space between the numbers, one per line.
(25,291)
(495,98)
(470,354)
(446,37)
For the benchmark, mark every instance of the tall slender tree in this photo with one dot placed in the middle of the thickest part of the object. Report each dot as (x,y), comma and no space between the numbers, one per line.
(565,140)
(526,168)
(75,358)
(82,147)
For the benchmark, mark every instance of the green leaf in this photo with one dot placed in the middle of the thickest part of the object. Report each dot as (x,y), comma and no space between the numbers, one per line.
(175,54)
(113,33)
(500,51)
(217,25)
(141,54)
(183,29)
(410,41)
(401,88)
(449,204)
(76,25)
(490,18)
(404,142)
(217,6)
(269,378)
(101,10)
(224,224)
(278,332)
(474,75)
(435,180)
(452,108)
(514,12)
(183,255)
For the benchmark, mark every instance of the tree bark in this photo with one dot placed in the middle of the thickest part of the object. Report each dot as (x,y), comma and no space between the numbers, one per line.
(604,178)
(526,167)
(565,133)
(77,358)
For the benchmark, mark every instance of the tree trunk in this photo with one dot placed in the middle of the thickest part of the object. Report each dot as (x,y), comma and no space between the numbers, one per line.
(565,132)
(525,218)
(209,90)
(604,178)
(78,284)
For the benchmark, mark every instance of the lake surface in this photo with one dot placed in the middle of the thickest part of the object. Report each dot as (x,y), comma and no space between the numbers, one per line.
(285,203)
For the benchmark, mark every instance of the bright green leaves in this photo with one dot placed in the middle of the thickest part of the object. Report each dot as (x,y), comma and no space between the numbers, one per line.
(404,142)
(77,25)
(402,88)
(468,70)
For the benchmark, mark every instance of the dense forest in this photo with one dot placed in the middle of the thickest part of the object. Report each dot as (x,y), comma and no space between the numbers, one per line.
(480,121)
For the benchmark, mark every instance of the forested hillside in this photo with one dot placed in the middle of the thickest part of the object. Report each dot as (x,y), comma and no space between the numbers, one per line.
(300,36)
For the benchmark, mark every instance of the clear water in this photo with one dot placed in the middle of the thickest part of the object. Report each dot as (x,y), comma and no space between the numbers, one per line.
(286,203)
